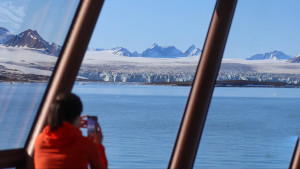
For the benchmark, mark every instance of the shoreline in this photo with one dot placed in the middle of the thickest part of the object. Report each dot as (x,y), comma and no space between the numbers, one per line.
(229,83)
(233,83)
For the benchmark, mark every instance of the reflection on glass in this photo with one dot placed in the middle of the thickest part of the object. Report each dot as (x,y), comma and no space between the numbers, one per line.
(32,33)
(136,74)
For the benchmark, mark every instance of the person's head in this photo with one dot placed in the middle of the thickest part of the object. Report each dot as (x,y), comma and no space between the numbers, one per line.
(66,107)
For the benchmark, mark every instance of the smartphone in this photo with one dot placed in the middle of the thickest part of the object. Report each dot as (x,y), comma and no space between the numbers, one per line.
(91,125)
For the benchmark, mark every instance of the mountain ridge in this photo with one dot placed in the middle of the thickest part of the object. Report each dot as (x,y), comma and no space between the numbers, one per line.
(154,51)
(295,59)
(32,40)
(273,55)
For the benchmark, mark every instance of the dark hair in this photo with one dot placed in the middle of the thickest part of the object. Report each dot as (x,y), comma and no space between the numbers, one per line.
(66,107)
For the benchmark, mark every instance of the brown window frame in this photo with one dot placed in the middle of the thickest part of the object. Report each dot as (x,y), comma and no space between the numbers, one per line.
(193,121)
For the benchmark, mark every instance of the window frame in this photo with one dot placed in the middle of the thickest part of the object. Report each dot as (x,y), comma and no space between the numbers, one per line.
(193,121)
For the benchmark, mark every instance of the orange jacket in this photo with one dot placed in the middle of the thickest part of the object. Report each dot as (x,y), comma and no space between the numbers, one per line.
(67,148)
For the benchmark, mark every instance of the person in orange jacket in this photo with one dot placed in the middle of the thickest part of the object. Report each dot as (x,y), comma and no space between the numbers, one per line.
(61,144)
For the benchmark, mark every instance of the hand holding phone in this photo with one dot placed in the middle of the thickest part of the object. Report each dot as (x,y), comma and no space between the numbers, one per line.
(93,128)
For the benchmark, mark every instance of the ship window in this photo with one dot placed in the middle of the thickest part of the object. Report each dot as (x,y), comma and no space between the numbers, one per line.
(136,76)
(253,120)
(32,33)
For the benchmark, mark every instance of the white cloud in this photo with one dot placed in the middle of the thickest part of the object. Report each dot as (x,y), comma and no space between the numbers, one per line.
(11,14)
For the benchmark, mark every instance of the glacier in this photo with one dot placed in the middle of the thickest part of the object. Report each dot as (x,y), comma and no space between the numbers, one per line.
(19,64)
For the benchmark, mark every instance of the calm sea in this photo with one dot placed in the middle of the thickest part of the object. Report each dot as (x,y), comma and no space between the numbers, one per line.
(245,127)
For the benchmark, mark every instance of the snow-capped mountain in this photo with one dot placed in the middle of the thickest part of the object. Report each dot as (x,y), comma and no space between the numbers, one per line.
(5,35)
(156,51)
(274,55)
(118,51)
(31,39)
(121,52)
(295,59)
(192,51)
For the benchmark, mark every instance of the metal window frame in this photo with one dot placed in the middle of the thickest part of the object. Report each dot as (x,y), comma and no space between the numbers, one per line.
(62,79)
(295,161)
(12,158)
(189,135)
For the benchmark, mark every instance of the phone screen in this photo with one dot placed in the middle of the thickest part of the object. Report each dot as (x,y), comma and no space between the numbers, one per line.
(91,126)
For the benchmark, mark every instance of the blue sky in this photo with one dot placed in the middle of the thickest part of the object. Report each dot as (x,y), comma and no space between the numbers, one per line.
(259,26)
(137,24)
(264,25)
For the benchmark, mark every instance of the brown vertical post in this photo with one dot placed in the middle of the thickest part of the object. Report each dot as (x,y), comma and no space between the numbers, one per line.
(186,146)
(295,162)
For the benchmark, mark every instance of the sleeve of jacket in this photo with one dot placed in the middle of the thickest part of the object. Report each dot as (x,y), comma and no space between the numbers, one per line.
(102,155)
(97,157)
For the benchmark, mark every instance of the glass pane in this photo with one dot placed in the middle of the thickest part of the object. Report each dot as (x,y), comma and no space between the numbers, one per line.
(139,97)
(32,33)
(253,121)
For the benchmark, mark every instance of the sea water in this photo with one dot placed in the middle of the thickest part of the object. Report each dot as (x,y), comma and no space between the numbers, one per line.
(245,127)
